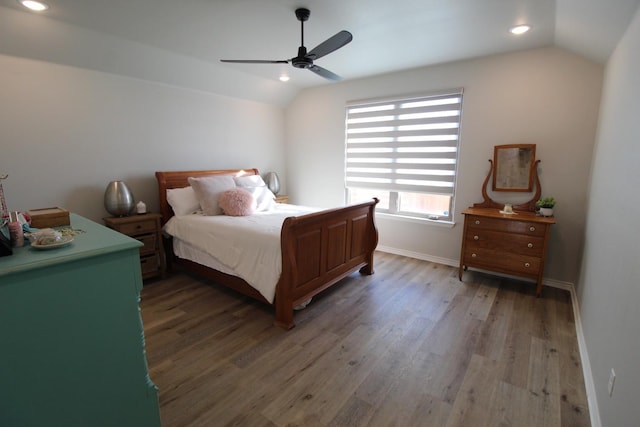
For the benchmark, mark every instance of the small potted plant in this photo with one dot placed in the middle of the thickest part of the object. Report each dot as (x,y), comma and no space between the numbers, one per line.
(546,205)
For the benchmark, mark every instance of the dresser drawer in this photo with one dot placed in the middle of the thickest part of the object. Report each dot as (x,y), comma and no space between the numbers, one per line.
(504,242)
(505,262)
(139,227)
(506,225)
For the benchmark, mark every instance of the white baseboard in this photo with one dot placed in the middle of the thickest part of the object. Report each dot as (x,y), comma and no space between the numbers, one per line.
(418,255)
(590,389)
(589,385)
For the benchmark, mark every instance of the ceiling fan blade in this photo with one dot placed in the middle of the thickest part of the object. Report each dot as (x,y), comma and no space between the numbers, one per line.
(331,44)
(323,72)
(255,61)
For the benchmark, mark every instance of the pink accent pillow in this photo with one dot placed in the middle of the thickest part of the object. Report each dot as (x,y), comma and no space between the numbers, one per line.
(237,202)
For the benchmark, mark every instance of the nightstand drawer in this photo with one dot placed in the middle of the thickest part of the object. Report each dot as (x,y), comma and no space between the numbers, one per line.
(133,228)
(149,242)
(149,264)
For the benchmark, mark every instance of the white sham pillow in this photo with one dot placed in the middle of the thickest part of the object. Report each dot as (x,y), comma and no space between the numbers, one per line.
(265,199)
(208,190)
(249,181)
(183,201)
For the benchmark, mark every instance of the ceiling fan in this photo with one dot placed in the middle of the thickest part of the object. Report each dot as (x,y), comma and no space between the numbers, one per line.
(305,59)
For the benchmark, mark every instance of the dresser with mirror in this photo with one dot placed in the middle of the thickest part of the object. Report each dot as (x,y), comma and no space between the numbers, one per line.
(506,238)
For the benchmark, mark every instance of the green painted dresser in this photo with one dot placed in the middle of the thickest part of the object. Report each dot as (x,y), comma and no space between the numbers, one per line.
(71,338)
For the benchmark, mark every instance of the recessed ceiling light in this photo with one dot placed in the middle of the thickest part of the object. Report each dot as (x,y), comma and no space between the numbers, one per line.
(36,6)
(519,29)
(284,78)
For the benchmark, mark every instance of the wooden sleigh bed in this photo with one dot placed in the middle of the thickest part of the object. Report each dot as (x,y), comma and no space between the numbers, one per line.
(318,249)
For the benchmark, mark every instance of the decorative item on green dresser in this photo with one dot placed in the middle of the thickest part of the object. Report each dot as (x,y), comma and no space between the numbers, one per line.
(147,229)
(118,199)
(72,338)
(48,217)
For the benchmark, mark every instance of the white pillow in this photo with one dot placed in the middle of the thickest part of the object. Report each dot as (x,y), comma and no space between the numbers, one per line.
(183,201)
(249,181)
(265,199)
(208,190)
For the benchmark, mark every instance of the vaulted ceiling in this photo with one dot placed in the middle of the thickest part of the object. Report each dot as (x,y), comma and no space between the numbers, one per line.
(387,35)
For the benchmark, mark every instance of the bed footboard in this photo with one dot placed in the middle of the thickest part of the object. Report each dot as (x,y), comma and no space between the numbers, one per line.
(321,248)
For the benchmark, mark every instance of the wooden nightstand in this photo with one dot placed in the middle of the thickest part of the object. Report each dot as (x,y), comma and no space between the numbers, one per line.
(282,198)
(145,228)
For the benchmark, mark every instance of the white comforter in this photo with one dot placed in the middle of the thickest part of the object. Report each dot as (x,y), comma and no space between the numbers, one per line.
(249,246)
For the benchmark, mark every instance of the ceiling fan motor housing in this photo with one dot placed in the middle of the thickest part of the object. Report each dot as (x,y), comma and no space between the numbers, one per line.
(302,60)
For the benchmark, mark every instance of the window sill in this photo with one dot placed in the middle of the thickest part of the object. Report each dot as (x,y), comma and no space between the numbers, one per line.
(404,218)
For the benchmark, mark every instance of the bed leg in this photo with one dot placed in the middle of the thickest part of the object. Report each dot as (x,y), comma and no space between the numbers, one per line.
(368,267)
(367,270)
(284,322)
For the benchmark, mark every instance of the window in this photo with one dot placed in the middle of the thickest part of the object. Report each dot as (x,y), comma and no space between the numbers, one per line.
(404,151)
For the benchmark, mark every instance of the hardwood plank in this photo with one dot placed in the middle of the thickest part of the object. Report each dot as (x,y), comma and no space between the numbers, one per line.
(354,413)
(544,381)
(475,394)
(483,301)
(513,406)
(494,330)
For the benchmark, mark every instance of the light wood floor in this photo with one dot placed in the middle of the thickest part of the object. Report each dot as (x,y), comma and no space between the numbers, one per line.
(409,346)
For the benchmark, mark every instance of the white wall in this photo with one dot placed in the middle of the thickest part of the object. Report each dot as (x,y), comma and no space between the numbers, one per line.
(66,132)
(547,97)
(609,291)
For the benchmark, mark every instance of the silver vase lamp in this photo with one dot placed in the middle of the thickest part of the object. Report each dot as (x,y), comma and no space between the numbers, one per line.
(118,199)
(273,182)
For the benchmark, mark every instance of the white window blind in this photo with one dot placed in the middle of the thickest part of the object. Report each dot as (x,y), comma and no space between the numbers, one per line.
(404,145)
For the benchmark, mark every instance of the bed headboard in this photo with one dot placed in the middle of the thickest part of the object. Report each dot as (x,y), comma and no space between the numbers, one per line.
(180,179)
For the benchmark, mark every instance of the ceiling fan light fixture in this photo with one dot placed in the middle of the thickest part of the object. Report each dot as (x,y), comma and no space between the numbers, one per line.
(519,29)
(35,6)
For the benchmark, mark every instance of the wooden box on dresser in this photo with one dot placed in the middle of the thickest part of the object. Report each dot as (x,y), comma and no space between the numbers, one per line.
(73,351)
(147,229)
(513,244)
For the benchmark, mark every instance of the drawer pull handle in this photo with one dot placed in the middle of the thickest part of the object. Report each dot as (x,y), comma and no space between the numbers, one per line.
(526,264)
(532,228)
(530,245)
(475,237)
(473,255)
(477,222)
